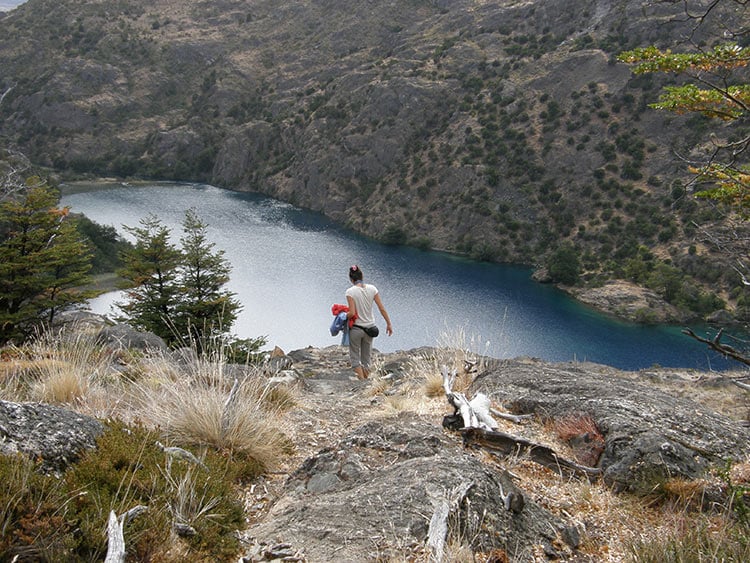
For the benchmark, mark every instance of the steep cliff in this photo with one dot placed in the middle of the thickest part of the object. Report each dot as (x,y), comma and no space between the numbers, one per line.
(503,130)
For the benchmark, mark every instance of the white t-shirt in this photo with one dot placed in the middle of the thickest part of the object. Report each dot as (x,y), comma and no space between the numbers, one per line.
(363,296)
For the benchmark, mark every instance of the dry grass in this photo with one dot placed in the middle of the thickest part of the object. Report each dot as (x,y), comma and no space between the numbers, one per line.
(202,406)
(713,390)
(614,527)
(188,402)
(67,367)
(455,352)
(189,502)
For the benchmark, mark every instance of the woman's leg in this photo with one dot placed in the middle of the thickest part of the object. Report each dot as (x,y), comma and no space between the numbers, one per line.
(365,352)
(356,340)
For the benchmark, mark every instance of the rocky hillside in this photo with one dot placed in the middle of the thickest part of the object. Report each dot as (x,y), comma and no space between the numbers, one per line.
(503,130)
(369,470)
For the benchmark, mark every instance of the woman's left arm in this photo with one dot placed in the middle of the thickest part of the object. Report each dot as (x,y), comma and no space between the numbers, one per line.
(381,308)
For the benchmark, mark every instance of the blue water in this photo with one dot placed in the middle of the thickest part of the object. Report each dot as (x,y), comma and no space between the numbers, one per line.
(290,266)
(7,5)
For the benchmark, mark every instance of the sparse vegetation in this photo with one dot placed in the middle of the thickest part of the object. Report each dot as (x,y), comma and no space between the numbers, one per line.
(187,405)
(237,431)
(134,91)
(497,119)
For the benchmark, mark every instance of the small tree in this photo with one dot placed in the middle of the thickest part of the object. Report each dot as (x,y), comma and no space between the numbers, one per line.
(43,260)
(150,275)
(205,309)
(177,293)
(564,265)
(713,93)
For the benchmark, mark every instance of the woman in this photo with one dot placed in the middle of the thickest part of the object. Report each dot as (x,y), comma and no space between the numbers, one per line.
(360,298)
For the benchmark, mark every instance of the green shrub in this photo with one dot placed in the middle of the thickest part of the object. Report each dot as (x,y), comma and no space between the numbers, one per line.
(106,245)
(33,513)
(46,518)
(564,265)
(394,235)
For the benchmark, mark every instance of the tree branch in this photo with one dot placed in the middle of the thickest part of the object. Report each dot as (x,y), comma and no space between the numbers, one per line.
(716,345)
(726,350)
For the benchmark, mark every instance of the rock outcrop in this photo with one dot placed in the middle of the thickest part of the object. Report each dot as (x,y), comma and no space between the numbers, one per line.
(384,481)
(631,302)
(650,435)
(54,435)
(369,483)
(122,336)
(381,478)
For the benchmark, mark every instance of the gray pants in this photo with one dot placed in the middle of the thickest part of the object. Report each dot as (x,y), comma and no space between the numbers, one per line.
(360,348)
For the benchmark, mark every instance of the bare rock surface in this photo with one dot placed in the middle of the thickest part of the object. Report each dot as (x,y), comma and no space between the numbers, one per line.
(53,434)
(375,491)
(368,475)
(365,481)
(650,435)
(123,336)
(369,490)
(629,301)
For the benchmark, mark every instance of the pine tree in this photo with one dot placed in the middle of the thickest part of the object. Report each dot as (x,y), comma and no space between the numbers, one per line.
(177,293)
(206,308)
(43,260)
(150,279)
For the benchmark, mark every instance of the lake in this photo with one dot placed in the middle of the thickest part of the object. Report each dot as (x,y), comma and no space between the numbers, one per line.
(7,5)
(290,266)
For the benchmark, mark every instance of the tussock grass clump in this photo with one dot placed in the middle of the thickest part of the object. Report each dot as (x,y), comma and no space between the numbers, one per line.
(62,367)
(455,351)
(695,539)
(202,406)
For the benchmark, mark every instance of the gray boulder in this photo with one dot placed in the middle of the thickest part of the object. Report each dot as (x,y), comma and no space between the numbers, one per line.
(649,434)
(122,336)
(371,496)
(55,435)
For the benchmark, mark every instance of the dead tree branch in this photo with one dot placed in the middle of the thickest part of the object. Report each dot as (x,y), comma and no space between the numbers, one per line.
(438,530)
(724,349)
(116,536)
(512,445)
(479,428)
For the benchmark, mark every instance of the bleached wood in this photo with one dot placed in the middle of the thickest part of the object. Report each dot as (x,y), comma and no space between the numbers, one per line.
(115,540)
(480,404)
(475,413)
(116,536)
(517,418)
(438,530)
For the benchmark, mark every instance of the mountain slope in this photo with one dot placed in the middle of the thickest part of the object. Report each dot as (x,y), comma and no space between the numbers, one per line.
(503,130)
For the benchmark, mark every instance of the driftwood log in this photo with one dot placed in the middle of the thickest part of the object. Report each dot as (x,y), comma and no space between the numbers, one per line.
(478,428)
